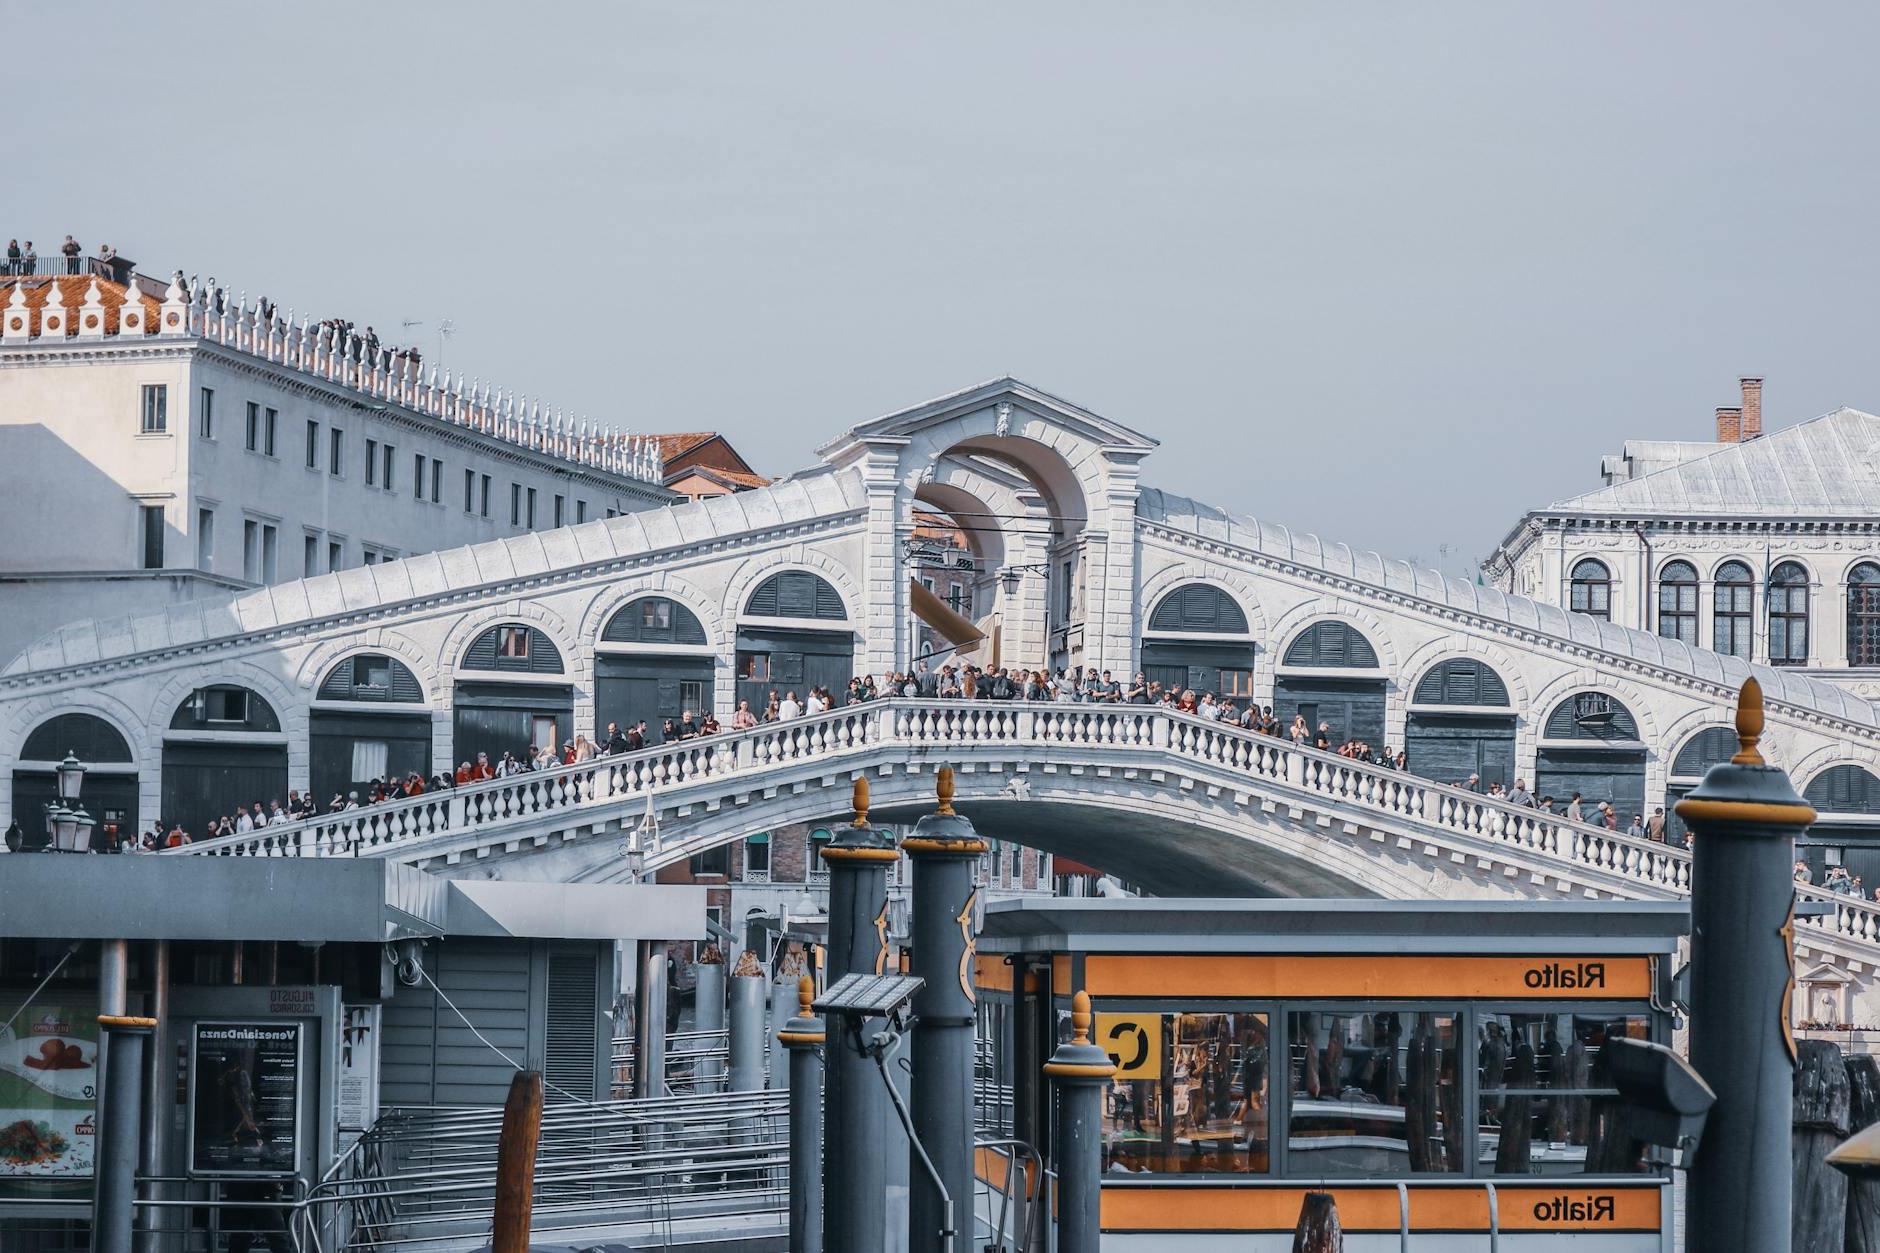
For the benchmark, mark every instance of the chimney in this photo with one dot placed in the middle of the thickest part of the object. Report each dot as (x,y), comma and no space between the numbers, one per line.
(1752,407)
(1729,425)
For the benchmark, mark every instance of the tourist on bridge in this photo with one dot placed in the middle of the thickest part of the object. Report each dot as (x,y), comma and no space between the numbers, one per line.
(616,740)
(789,708)
(1574,812)
(1520,795)
(1655,826)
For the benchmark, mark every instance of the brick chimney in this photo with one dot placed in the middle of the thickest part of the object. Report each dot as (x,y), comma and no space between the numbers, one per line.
(1752,407)
(1729,425)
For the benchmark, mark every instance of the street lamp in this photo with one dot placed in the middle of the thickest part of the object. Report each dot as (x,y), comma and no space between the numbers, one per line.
(70,825)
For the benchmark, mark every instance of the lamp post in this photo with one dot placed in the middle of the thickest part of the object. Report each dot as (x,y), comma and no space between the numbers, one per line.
(69,825)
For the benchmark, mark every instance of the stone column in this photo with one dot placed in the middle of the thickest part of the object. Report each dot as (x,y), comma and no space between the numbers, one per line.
(1080,1071)
(856,1106)
(944,848)
(1744,818)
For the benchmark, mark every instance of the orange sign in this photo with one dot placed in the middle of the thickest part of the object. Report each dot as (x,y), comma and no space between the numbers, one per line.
(1383,977)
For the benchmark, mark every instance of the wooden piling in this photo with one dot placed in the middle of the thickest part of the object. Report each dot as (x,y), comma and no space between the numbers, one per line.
(1863,1195)
(515,1164)
(1318,1230)
(1819,1217)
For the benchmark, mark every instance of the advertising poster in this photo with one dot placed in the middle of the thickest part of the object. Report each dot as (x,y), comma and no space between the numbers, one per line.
(48,1090)
(358,1071)
(245,1098)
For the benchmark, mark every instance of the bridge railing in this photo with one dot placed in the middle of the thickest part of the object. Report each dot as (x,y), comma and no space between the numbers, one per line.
(616,783)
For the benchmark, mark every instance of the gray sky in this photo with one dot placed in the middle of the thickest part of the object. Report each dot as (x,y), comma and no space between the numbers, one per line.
(1391,272)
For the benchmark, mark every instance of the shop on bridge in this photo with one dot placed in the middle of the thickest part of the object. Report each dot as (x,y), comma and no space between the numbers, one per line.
(1330,674)
(1197,639)
(1847,832)
(654,661)
(1699,753)
(781,647)
(1590,745)
(224,750)
(512,695)
(1460,724)
(369,719)
(110,792)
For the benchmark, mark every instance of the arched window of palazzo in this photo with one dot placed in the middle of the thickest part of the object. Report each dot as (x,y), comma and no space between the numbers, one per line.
(1863,615)
(1591,589)
(1734,600)
(1788,615)
(1677,602)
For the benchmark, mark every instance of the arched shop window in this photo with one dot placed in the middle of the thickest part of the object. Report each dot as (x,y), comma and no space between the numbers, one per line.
(1331,643)
(1677,602)
(514,648)
(1591,589)
(1734,600)
(1173,657)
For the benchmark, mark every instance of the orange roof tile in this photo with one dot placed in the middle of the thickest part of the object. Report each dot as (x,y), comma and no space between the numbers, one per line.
(71,290)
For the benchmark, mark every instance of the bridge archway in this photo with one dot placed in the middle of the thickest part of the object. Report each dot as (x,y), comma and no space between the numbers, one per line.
(1699,752)
(654,661)
(1461,723)
(1590,744)
(110,789)
(369,719)
(789,640)
(512,694)
(224,751)
(1847,832)
(1329,674)
(1198,636)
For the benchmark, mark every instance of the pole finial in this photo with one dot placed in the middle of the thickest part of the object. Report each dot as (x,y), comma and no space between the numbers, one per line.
(1749,724)
(805,995)
(861,802)
(943,787)
(1080,1018)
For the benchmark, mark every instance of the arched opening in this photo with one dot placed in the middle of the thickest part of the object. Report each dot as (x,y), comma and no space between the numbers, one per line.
(1198,638)
(109,794)
(1590,590)
(1788,615)
(1590,745)
(1677,602)
(1847,831)
(1329,675)
(369,720)
(781,649)
(653,662)
(1461,724)
(1863,615)
(512,695)
(1734,602)
(224,753)
(1698,754)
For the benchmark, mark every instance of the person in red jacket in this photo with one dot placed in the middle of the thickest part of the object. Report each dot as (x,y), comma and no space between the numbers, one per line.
(463,773)
(484,769)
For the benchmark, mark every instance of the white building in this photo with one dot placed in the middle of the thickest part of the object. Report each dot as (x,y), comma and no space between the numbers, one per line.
(1764,547)
(185,446)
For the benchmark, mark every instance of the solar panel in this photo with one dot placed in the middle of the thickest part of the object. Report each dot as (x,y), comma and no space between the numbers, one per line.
(863,993)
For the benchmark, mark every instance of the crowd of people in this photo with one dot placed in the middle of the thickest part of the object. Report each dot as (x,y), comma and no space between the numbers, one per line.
(25,261)
(1836,879)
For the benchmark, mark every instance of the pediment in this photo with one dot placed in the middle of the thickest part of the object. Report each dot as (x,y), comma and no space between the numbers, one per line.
(1023,398)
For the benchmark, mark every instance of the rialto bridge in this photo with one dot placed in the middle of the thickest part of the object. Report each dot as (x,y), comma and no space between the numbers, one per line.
(420,663)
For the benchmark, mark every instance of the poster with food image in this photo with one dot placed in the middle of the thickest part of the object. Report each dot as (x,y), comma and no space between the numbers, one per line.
(48,1090)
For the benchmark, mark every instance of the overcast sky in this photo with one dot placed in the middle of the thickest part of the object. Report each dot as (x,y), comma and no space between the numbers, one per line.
(1392,272)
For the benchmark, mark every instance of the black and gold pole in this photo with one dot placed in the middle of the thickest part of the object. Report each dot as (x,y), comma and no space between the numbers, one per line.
(1080,1071)
(120,1118)
(943,848)
(803,1036)
(857,1114)
(1744,818)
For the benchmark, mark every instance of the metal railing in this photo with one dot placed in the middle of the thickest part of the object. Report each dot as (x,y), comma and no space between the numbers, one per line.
(686,1055)
(625,783)
(666,1168)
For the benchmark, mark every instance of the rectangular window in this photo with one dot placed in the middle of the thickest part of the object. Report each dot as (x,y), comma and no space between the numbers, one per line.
(156,409)
(1196,1096)
(542,732)
(310,555)
(205,539)
(1375,1093)
(561,504)
(335,555)
(336,440)
(270,543)
(313,444)
(386,465)
(754,667)
(417,475)
(205,417)
(268,429)
(515,504)
(253,441)
(531,518)
(612,512)
(469,491)
(1237,683)
(691,697)
(373,672)
(372,463)
(757,855)
(251,550)
(1543,1090)
(153,537)
(483,506)
(1066,597)
(225,704)
(513,641)
(370,759)
(580,511)
(656,614)
(437,481)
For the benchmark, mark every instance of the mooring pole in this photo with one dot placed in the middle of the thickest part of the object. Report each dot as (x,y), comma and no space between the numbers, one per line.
(1080,1070)
(855,1176)
(1744,818)
(515,1164)
(120,1119)
(803,1036)
(944,848)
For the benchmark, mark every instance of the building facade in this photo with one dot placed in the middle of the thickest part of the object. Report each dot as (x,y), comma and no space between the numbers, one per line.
(160,446)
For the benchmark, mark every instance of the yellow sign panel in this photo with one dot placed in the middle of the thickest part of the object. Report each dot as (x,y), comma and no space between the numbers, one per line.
(1134,1043)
